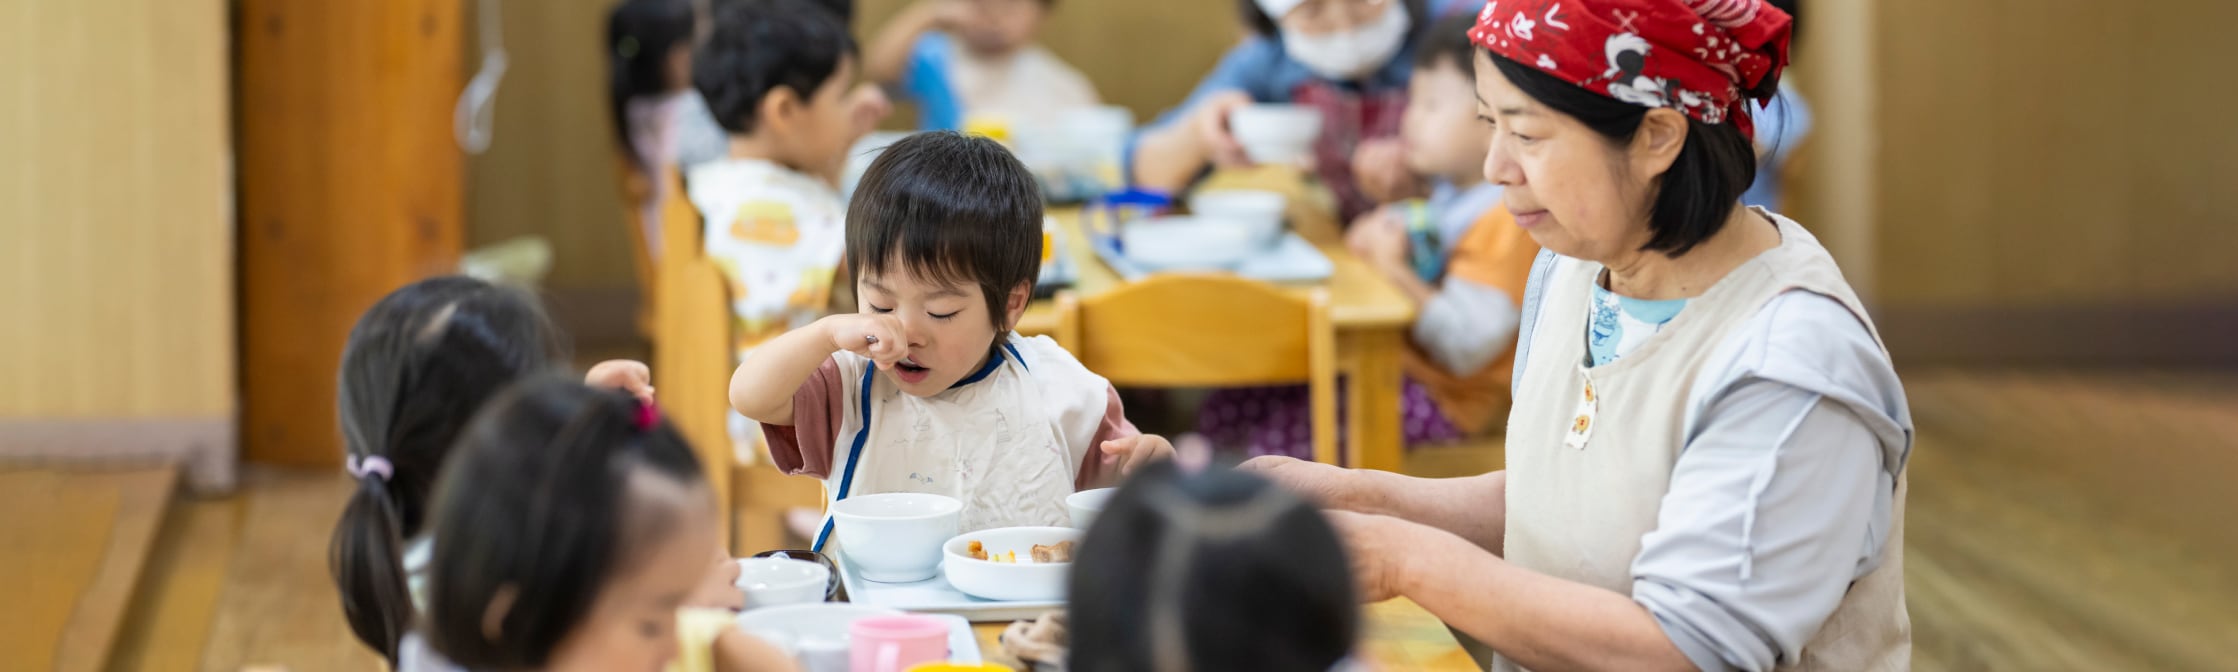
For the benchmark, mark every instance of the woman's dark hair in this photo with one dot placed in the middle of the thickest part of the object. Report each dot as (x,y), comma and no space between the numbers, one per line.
(1448,40)
(1214,571)
(640,35)
(540,508)
(952,209)
(759,46)
(1702,186)
(416,367)
(1418,13)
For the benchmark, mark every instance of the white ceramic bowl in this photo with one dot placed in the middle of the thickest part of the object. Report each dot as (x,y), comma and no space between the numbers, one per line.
(1086,504)
(1282,134)
(772,582)
(895,537)
(1020,582)
(1181,243)
(816,634)
(1258,212)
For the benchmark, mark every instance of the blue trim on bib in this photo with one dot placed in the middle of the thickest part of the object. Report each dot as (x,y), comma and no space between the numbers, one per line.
(854,457)
(993,361)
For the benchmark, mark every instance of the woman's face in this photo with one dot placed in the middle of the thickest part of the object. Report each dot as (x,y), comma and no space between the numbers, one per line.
(1574,191)
(632,622)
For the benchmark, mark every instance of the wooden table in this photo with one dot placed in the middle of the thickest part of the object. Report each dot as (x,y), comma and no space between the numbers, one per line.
(1398,635)
(1370,314)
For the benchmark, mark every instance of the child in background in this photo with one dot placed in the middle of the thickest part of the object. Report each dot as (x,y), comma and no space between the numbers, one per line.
(569,534)
(1212,571)
(701,139)
(415,368)
(1347,58)
(649,77)
(927,389)
(776,74)
(961,60)
(1458,255)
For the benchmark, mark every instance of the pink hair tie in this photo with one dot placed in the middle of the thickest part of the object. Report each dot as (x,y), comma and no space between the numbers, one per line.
(373,465)
(648,416)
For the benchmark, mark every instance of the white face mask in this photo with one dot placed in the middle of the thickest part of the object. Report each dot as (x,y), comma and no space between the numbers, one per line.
(1347,55)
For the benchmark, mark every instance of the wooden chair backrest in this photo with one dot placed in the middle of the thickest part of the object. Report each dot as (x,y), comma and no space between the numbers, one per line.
(1208,331)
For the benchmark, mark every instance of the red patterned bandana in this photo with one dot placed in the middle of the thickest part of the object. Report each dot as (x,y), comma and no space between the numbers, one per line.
(1698,56)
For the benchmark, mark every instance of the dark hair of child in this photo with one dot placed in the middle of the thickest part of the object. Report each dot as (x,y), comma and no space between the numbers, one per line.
(539,509)
(1448,41)
(640,35)
(415,368)
(760,45)
(1213,571)
(951,209)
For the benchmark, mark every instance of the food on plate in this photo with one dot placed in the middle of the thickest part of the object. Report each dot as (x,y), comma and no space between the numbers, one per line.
(1062,552)
(1040,553)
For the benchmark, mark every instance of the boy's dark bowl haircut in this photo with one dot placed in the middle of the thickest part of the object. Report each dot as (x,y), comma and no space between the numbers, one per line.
(952,209)
(760,45)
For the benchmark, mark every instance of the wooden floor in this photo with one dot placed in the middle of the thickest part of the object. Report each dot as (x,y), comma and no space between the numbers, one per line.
(2057,522)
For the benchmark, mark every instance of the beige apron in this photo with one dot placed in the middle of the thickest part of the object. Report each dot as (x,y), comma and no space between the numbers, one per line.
(1590,450)
(1008,442)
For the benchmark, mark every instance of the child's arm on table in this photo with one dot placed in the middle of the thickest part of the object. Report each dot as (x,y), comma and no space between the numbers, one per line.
(762,388)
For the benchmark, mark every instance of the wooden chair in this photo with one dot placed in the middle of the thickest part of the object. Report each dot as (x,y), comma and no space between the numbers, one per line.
(1190,331)
(693,357)
(636,190)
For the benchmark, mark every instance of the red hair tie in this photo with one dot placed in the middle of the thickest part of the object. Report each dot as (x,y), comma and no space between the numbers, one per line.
(648,416)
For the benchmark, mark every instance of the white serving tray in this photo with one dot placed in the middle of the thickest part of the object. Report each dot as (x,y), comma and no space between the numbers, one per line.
(1292,260)
(934,596)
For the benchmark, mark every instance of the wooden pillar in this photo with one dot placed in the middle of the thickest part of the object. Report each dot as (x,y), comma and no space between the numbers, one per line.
(350,187)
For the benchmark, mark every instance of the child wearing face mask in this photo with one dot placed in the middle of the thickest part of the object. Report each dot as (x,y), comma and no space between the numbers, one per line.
(1457,253)
(568,535)
(966,59)
(927,389)
(1348,58)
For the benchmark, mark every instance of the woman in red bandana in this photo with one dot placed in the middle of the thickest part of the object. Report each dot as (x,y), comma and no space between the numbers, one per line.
(1706,452)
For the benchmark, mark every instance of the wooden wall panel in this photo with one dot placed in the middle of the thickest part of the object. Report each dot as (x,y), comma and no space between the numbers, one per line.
(2040,153)
(116,247)
(549,170)
(350,187)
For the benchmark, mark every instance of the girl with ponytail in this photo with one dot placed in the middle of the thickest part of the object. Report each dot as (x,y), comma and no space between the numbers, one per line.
(416,367)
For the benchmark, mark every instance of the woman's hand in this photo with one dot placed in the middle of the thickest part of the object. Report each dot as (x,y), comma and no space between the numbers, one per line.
(622,374)
(1211,123)
(1380,167)
(719,588)
(1325,485)
(881,338)
(1134,451)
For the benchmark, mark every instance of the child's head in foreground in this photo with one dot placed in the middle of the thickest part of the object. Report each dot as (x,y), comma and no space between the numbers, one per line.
(1218,570)
(945,234)
(417,366)
(569,528)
